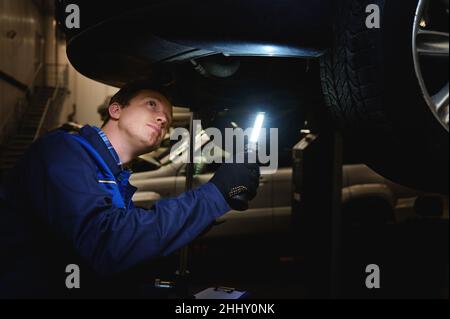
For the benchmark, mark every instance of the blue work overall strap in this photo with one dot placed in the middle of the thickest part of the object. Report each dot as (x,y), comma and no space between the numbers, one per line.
(105,177)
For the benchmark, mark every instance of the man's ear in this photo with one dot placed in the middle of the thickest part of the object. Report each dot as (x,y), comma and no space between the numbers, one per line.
(114,111)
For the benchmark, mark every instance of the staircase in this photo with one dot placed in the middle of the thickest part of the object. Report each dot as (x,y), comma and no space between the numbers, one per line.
(28,128)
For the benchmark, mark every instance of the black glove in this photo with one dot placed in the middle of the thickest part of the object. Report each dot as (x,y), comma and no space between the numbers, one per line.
(233,179)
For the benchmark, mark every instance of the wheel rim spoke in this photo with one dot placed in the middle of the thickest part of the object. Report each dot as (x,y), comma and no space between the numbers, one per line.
(432,43)
(441,102)
(430,49)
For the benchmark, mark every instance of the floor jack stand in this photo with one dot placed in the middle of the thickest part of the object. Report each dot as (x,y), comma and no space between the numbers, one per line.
(316,210)
(179,288)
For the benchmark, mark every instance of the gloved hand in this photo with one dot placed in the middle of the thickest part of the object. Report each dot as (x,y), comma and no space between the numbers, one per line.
(232,179)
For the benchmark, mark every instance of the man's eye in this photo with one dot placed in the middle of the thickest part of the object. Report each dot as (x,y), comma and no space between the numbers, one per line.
(152,103)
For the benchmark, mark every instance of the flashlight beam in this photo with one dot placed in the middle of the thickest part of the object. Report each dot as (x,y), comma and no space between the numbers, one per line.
(257,127)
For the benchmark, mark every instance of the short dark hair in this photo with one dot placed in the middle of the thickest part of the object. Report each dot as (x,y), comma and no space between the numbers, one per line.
(131,90)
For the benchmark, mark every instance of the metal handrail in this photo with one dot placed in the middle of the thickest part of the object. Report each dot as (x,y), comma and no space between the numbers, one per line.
(22,102)
(12,116)
(49,102)
(30,89)
(33,81)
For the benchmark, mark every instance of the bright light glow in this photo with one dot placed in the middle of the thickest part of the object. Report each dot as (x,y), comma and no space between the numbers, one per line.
(257,127)
(269,49)
(423,23)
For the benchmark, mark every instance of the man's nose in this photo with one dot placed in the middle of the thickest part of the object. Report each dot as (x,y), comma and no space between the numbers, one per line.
(161,119)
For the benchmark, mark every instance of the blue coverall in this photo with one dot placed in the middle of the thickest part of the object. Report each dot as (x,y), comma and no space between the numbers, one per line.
(68,202)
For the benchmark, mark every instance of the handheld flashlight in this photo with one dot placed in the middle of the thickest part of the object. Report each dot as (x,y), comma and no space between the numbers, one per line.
(240,201)
(253,142)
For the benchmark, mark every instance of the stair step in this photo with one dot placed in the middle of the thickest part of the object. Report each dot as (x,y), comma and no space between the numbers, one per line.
(27,128)
(8,165)
(36,109)
(44,97)
(23,137)
(32,120)
(15,142)
(10,156)
(31,123)
(38,106)
(8,159)
(12,145)
(16,147)
(34,117)
(20,144)
(6,168)
(30,131)
(28,125)
(34,113)
(27,120)
(12,153)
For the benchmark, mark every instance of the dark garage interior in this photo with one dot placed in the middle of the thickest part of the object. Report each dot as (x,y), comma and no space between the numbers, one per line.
(354,97)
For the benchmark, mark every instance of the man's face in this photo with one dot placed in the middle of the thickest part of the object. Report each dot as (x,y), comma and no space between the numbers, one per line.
(145,120)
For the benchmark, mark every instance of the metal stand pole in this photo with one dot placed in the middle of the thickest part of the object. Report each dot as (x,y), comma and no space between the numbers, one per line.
(182,281)
(316,210)
(180,286)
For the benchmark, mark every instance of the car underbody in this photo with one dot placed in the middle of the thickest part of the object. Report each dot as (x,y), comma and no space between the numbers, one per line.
(227,55)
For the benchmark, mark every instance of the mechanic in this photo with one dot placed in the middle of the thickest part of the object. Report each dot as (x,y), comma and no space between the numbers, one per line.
(68,201)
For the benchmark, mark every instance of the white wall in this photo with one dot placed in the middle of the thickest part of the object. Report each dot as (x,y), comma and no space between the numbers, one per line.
(18,58)
(18,54)
(85,93)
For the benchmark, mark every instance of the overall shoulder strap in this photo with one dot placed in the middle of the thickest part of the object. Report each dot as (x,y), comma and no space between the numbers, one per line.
(107,180)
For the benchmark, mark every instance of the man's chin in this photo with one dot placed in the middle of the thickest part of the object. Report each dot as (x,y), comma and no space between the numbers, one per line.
(152,147)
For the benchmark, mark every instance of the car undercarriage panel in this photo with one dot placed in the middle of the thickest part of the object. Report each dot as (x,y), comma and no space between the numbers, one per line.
(134,39)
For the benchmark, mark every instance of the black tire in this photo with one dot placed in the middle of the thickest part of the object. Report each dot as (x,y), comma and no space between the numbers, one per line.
(373,95)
